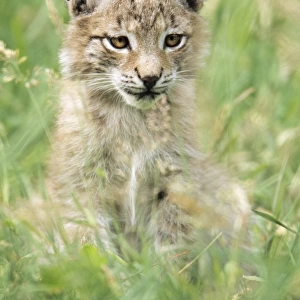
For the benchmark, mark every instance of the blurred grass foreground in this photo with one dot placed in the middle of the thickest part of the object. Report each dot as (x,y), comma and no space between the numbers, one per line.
(249,115)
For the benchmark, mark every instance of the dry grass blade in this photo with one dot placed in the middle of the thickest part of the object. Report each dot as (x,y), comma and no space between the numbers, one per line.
(200,254)
(55,18)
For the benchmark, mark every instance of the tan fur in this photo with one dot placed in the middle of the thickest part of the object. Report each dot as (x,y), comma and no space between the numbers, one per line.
(137,160)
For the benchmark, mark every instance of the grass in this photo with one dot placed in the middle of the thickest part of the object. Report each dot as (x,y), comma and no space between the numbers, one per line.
(249,118)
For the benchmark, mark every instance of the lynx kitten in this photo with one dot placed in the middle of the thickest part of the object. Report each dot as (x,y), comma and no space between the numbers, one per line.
(126,144)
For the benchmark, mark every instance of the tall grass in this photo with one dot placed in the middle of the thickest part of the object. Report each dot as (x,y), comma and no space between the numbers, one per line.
(249,106)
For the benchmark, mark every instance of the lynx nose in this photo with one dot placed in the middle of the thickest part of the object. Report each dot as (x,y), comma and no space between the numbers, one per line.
(149,81)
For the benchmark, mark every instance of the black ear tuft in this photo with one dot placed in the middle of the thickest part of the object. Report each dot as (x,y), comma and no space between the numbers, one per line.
(194,4)
(78,7)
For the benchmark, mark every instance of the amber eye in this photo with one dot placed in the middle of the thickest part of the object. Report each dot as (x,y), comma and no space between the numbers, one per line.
(119,42)
(173,40)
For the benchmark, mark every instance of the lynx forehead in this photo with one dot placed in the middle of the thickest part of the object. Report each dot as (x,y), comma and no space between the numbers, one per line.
(134,50)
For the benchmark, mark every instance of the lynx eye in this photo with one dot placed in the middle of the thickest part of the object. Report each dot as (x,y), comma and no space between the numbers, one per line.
(173,40)
(119,42)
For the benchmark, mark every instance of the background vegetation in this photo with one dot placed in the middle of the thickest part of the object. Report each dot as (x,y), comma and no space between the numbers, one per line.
(249,110)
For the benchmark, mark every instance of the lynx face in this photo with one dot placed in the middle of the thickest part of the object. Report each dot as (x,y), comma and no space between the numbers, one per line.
(133,51)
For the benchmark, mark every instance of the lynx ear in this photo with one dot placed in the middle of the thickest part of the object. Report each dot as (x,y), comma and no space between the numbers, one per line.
(78,7)
(193,4)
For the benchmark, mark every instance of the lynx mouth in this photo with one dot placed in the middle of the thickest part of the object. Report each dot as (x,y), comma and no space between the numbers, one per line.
(141,95)
(146,95)
(141,99)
